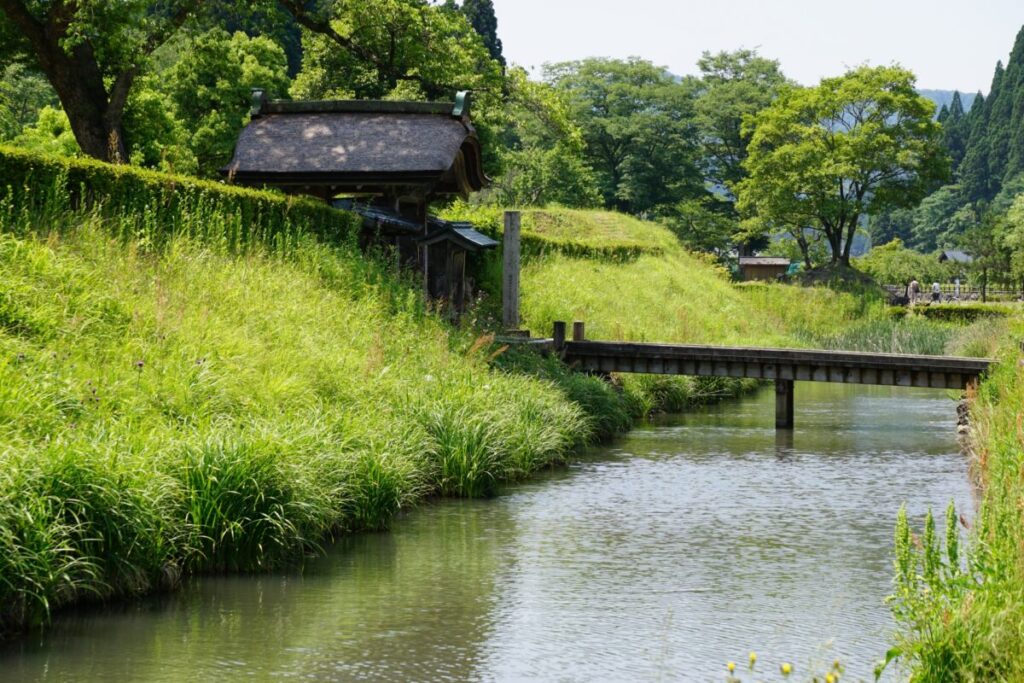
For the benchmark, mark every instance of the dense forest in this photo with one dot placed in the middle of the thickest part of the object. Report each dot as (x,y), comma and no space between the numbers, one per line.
(730,158)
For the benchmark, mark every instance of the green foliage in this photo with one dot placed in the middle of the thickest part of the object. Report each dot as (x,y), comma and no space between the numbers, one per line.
(543,152)
(960,606)
(822,157)
(23,94)
(480,14)
(376,46)
(401,49)
(706,225)
(965,313)
(639,127)
(942,219)
(50,134)
(733,86)
(894,264)
(210,88)
(889,335)
(994,149)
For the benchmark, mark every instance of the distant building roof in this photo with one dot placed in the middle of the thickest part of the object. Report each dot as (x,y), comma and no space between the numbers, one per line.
(357,146)
(764,261)
(956,256)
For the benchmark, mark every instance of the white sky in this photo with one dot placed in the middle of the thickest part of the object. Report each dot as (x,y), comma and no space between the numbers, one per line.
(949,44)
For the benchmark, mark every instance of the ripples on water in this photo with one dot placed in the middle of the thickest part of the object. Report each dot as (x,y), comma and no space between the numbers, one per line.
(686,544)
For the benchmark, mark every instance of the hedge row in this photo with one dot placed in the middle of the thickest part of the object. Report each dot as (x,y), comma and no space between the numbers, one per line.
(152,207)
(963,313)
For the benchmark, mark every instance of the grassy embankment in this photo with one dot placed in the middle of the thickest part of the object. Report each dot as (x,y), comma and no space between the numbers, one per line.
(961,607)
(630,280)
(196,378)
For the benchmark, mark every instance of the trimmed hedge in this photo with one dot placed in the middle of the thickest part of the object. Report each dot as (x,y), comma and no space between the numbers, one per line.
(153,207)
(963,313)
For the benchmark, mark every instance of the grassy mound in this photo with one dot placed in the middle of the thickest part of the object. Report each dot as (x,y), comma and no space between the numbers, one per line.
(174,402)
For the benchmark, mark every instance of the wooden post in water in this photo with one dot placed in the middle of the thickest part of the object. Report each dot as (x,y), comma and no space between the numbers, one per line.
(558,336)
(510,272)
(783,404)
(578,333)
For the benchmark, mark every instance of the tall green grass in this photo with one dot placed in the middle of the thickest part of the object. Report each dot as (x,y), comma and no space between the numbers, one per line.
(961,610)
(172,401)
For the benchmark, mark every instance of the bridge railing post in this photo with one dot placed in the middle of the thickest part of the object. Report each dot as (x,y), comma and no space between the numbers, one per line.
(558,336)
(578,331)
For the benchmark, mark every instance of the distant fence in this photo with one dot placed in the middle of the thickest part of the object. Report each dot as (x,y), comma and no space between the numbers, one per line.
(950,293)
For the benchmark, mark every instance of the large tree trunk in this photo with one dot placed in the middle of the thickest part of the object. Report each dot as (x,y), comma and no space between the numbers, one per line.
(95,114)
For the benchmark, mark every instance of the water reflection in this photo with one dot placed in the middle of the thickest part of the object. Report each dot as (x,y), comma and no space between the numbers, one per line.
(682,546)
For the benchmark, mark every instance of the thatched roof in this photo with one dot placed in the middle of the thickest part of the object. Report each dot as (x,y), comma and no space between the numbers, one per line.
(360,147)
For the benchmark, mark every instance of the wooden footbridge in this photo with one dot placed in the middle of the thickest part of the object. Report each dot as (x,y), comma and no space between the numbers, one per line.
(784,366)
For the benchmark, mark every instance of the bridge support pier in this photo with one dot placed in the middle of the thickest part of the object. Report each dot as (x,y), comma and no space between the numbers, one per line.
(783,404)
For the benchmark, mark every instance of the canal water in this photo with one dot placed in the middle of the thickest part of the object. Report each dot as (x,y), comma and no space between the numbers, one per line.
(680,547)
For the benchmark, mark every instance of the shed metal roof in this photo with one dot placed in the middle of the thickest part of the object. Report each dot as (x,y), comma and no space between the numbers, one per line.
(462,234)
(956,256)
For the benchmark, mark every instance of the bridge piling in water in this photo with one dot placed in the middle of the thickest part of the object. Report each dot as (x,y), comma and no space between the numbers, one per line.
(784,404)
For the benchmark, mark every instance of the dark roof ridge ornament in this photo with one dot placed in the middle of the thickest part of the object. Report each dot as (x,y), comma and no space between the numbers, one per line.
(461,108)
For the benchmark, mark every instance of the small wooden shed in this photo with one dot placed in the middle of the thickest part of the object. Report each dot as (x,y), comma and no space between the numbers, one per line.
(769,268)
(448,245)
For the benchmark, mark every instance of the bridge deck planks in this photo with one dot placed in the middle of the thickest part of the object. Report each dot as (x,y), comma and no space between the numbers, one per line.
(940,372)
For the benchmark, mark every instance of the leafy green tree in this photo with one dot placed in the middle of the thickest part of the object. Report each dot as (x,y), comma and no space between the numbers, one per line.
(92,51)
(987,242)
(23,93)
(368,48)
(542,149)
(891,225)
(1013,237)
(821,158)
(210,88)
(733,85)
(50,134)
(938,221)
(894,264)
(705,224)
(639,127)
(973,172)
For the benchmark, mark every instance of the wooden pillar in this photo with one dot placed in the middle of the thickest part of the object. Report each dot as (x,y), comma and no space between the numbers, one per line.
(578,331)
(783,404)
(558,336)
(510,272)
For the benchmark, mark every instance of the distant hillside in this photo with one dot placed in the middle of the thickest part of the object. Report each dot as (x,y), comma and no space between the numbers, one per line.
(944,97)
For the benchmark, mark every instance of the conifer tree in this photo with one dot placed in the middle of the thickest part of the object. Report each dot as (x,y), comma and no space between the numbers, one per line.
(480,14)
(954,130)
